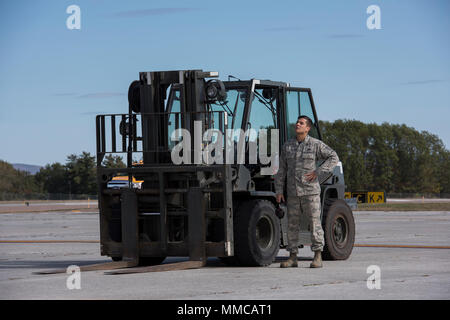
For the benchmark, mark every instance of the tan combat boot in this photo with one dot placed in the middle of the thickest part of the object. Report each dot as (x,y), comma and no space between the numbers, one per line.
(291,262)
(317,262)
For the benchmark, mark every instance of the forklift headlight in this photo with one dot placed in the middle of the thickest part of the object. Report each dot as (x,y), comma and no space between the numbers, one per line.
(269,94)
(215,90)
(211,92)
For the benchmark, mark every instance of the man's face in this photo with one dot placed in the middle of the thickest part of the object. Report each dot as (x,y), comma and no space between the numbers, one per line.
(301,126)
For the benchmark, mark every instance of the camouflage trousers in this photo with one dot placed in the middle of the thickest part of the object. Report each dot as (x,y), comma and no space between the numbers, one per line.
(304,211)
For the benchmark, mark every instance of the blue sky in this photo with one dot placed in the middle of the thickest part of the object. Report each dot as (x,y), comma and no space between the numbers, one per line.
(53,81)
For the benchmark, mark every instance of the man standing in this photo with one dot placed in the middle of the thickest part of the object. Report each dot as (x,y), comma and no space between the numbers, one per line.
(298,162)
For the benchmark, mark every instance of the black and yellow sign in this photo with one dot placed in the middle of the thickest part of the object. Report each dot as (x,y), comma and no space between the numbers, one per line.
(376,197)
(367,197)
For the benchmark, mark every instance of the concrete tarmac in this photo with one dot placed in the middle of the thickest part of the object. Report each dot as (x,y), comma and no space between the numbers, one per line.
(404,273)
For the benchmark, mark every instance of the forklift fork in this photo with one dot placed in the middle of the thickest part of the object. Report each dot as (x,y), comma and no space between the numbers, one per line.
(130,238)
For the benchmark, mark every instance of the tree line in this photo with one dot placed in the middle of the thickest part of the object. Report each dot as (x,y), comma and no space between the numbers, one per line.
(376,157)
(389,157)
(76,176)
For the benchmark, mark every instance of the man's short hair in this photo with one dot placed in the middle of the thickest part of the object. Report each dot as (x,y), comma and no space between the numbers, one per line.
(309,122)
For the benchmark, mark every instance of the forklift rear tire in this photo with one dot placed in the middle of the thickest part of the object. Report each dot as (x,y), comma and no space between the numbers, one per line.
(339,230)
(256,233)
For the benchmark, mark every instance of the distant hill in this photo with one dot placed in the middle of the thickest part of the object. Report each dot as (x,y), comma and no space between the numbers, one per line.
(26,167)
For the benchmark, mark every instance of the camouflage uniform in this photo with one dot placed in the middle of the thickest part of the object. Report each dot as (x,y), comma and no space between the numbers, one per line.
(303,197)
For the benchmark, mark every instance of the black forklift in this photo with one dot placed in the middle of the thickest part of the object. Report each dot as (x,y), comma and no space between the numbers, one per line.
(197,208)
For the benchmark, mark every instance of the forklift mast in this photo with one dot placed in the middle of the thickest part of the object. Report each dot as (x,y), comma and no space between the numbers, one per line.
(148,96)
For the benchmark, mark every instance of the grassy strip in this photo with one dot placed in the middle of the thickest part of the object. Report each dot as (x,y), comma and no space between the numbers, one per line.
(443,206)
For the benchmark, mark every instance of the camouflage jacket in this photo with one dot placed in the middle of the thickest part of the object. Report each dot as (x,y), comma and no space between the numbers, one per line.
(298,159)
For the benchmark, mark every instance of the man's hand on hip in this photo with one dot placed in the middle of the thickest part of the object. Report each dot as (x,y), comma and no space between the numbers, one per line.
(280,198)
(311,176)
